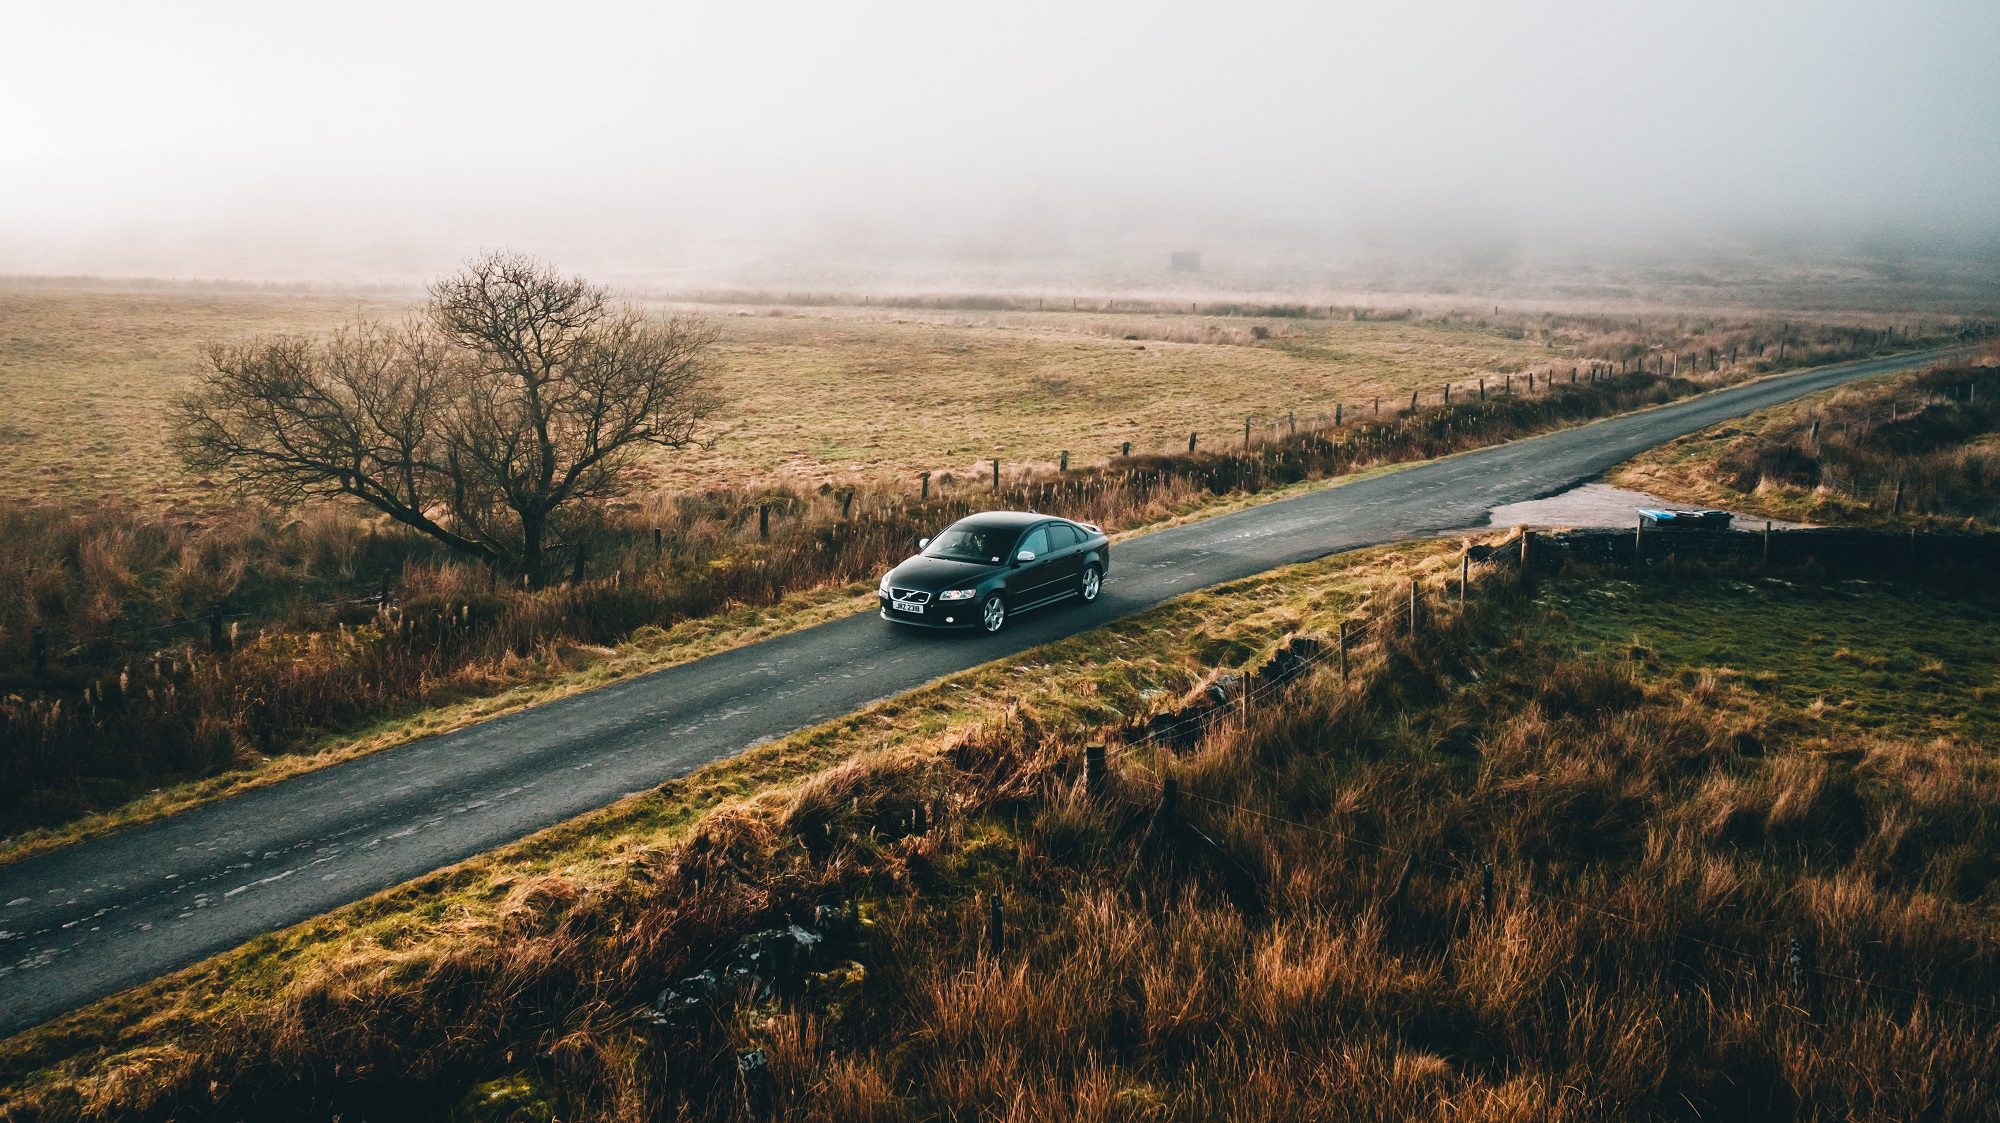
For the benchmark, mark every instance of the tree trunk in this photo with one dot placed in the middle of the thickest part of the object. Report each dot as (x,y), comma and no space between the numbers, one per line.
(533,526)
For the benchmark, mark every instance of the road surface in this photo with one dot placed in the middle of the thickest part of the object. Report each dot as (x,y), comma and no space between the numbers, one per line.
(86,921)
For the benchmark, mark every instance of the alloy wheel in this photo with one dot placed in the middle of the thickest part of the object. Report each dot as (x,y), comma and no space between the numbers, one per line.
(993,613)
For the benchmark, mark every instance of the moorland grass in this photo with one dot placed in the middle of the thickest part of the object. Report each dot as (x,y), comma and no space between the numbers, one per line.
(1655,848)
(845,394)
(850,393)
(1918,450)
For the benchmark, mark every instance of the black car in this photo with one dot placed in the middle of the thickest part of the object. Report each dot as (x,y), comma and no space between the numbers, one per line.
(983,568)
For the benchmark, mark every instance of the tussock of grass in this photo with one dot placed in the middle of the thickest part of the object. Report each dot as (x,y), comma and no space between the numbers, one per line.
(1654,850)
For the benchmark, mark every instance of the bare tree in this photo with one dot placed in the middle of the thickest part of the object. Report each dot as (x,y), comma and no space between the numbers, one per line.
(516,399)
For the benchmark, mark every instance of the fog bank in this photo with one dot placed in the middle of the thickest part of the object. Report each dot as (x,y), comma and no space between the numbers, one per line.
(886,143)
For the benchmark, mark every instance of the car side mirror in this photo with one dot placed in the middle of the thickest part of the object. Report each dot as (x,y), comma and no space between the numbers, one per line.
(923,542)
(1025,556)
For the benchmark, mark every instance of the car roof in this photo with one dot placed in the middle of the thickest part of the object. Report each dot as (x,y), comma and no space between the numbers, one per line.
(1012,520)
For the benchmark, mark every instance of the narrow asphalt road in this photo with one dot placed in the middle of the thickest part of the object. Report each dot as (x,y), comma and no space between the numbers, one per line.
(86,921)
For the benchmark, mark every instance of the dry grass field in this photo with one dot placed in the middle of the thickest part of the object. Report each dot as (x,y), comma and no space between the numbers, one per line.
(815,392)
(1546,861)
(84,374)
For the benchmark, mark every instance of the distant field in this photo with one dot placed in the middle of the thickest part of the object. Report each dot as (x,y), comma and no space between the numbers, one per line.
(841,392)
(83,376)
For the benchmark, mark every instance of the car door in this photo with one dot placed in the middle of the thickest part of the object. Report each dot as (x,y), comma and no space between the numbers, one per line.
(1031,579)
(1066,550)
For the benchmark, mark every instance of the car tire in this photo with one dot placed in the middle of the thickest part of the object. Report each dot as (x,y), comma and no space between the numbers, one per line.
(1091,584)
(993,613)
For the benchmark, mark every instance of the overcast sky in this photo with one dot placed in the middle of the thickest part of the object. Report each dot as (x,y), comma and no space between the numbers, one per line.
(203,137)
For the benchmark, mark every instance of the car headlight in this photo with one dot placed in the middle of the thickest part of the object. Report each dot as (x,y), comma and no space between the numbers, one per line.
(882,588)
(956,594)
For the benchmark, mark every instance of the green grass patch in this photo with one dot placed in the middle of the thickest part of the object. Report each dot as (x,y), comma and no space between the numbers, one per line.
(1859,656)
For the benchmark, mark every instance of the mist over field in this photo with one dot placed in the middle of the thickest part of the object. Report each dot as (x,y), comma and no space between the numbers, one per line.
(1430,146)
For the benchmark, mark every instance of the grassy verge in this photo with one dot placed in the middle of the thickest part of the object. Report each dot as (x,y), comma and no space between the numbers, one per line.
(571,671)
(1919,450)
(1662,809)
(1105,676)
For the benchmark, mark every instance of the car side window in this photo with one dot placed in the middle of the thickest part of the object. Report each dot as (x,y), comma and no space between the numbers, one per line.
(1062,537)
(1037,540)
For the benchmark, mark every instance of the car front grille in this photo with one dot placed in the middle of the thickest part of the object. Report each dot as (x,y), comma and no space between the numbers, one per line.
(914,596)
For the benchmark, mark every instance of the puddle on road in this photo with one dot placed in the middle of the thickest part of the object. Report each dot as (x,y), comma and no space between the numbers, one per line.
(1599,504)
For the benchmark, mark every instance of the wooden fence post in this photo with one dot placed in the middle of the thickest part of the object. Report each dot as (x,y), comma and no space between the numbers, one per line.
(1413,608)
(1191,438)
(1343,651)
(38,650)
(1464,572)
(763,527)
(659,540)
(1796,969)
(846,503)
(1125,449)
(1063,463)
(1897,508)
(576,570)
(996,923)
(1766,562)
(996,474)
(926,478)
(1336,413)
(1402,884)
(1093,769)
(1639,543)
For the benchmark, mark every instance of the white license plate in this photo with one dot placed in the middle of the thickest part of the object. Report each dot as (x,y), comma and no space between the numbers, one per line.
(907,606)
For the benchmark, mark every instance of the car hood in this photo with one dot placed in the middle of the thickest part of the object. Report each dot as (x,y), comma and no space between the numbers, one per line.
(936,574)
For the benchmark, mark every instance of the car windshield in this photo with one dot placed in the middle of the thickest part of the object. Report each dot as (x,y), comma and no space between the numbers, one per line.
(969,541)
